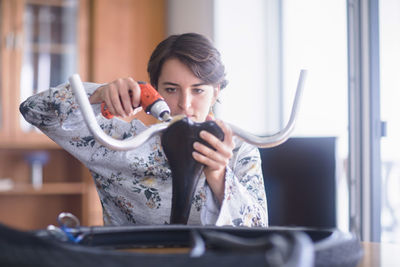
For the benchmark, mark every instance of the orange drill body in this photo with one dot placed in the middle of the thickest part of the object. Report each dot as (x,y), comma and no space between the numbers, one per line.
(148,98)
(148,95)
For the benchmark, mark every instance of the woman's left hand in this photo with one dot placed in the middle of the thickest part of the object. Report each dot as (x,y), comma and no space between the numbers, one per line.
(215,161)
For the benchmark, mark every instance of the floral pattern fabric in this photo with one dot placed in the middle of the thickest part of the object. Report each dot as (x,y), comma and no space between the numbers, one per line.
(135,187)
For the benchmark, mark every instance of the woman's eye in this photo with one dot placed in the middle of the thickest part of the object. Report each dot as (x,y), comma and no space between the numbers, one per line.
(170,89)
(198,90)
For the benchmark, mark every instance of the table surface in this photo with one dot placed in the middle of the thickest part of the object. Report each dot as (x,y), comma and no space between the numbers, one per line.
(375,254)
(380,255)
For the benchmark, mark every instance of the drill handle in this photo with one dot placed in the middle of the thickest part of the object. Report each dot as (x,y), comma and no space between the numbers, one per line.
(148,96)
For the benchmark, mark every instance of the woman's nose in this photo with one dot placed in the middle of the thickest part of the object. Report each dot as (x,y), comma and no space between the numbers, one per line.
(185,101)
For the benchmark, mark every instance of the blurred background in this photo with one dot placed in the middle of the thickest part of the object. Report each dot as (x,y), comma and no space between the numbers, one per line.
(346,141)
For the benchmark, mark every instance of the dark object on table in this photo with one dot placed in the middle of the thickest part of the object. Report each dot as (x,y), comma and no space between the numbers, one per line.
(300,179)
(207,245)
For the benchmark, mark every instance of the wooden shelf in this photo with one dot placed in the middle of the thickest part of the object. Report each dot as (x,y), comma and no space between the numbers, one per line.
(52,48)
(60,3)
(29,141)
(46,189)
(103,55)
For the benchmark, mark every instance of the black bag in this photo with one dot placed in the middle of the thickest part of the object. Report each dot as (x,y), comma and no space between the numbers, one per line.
(219,246)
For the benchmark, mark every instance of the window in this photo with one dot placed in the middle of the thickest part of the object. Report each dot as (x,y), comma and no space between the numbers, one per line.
(264,56)
(390,95)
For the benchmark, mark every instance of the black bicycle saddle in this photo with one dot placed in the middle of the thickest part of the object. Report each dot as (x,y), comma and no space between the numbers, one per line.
(177,142)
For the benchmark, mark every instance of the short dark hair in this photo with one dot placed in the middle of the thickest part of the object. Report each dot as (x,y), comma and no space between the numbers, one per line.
(196,52)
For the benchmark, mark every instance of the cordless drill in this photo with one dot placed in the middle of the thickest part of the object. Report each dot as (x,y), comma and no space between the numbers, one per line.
(151,101)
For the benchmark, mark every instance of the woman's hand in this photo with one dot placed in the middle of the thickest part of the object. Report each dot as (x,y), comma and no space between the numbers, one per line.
(215,161)
(120,96)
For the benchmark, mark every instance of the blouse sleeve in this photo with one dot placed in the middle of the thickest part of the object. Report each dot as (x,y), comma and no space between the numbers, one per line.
(55,112)
(244,202)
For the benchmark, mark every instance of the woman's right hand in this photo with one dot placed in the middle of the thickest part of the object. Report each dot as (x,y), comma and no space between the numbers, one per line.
(121,96)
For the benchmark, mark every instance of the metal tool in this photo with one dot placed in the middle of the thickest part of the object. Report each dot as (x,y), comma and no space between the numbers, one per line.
(70,224)
(134,142)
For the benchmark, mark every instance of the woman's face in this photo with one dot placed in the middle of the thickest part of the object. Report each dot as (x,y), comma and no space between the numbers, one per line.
(184,93)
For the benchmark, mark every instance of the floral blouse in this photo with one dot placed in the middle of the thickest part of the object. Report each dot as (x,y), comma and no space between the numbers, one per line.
(135,187)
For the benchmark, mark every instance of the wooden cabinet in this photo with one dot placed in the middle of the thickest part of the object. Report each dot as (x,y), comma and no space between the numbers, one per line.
(42,43)
(124,34)
(66,187)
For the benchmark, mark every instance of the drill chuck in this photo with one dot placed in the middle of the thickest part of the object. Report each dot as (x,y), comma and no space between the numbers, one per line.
(160,110)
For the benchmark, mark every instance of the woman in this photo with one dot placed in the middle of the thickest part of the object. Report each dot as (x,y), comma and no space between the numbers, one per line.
(135,186)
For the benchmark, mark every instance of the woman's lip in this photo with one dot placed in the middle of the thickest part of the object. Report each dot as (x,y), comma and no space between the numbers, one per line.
(186,115)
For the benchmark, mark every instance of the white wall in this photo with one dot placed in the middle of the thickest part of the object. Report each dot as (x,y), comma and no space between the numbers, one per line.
(242,31)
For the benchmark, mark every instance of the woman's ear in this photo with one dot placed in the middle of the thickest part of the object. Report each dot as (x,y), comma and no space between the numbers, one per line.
(217,89)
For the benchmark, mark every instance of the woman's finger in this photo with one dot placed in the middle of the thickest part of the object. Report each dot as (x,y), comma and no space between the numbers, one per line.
(135,92)
(107,99)
(123,91)
(219,146)
(216,156)
(207,161)
(115,99)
